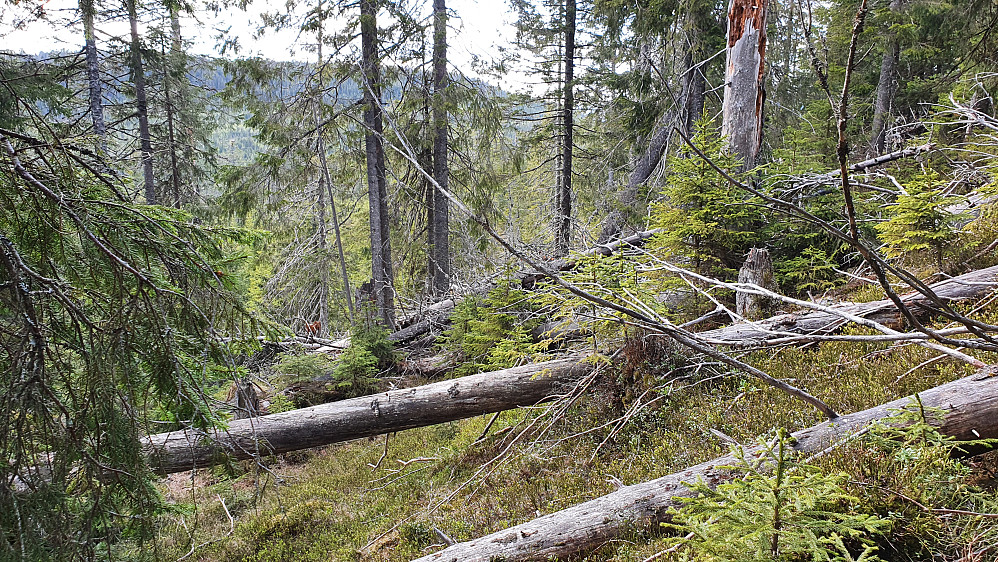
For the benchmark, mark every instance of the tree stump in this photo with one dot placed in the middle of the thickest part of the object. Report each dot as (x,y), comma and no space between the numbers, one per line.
(247,401)
(758,270)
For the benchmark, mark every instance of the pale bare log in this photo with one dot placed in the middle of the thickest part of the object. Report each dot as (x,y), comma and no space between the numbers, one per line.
(970,285)
(970,411)
(366,416)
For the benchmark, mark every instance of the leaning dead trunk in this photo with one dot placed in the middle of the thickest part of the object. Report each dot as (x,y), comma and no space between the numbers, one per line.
(366,416)
(886,86)
(970,411)
(741,122)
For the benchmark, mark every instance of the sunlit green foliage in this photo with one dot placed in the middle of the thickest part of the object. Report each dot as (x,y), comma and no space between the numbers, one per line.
(494,332)
(920,223)
(111,315)
(777,509)
(708,223)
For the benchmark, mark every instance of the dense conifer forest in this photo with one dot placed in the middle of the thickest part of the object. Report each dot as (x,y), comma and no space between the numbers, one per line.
(646,280)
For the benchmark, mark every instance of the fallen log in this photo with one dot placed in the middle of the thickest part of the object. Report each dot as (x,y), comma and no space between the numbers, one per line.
(970,411)
(967,286)
(365,416)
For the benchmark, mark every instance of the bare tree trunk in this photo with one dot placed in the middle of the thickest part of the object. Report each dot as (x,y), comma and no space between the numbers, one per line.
(320,215)
(336,232)
(366,416)
(969,411)
(886,87)
(173,70)
(141,104)
(324,265)
(440,250)
(563,212)
(744,93)
(700,21)
(758,270)
(93,73)
(377,188)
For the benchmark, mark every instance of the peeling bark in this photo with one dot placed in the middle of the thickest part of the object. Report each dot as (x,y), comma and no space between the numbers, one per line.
(744,93)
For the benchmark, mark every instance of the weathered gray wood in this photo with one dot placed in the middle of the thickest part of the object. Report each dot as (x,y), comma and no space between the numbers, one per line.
(366,416)
(970,408)
(970,285)
(887,85)
(741,113)
(757,270)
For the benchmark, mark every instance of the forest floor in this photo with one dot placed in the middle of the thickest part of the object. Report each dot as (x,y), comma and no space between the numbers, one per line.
(649,413)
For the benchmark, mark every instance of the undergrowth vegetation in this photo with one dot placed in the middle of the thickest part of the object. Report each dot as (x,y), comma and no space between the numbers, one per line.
(649,413)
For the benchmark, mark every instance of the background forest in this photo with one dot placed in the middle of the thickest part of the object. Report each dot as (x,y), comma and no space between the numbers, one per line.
(636,237)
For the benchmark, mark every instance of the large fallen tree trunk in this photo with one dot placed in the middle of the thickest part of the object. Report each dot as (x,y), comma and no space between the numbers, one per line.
(970,285)
(970,411)
(366,416)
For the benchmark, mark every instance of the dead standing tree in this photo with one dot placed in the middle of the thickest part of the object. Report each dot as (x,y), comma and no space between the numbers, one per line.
(741,122)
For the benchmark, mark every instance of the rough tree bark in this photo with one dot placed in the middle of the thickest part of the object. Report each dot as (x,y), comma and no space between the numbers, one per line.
(173,71)
(366,416)
(141,104)
(440,226)
(886,86)
(970,411)
(563,198)
(741,121)
(690,108)
(377,184)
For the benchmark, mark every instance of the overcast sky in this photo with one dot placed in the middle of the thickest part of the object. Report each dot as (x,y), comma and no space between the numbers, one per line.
(478,30)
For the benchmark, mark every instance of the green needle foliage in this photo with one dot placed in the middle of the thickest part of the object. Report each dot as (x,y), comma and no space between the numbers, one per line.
(779,510)
(707,223)
(111,323)
(370,355)
(919,222)
(492,333)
